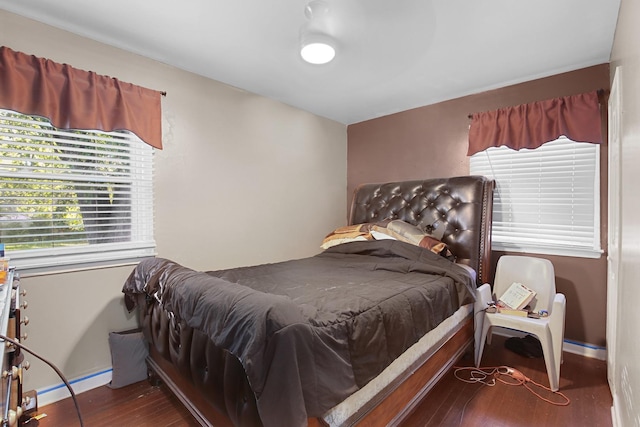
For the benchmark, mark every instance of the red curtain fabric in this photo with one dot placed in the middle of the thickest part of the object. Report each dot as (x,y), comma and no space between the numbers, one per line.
(530,125)
(77,99)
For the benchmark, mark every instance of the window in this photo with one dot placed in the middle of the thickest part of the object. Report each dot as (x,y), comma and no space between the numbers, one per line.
(547,200)
(71,197)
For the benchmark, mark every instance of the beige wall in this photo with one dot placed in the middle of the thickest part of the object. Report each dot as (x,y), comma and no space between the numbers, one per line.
(431,141)
(626,372)
(241,180)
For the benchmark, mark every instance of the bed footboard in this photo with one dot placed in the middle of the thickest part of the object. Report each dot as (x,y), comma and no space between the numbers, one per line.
(210,382)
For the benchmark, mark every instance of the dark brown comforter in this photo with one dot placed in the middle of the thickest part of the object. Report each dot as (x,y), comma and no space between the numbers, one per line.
(310,332)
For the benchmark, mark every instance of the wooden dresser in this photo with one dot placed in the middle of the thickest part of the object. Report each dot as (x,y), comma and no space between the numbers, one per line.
(13,404)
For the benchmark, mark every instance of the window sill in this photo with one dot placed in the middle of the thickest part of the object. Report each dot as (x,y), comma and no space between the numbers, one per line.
(569,252)
(26,272)
(45,262)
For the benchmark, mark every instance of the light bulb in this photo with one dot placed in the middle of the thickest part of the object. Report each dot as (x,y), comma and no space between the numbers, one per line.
(317,52)
(316,46)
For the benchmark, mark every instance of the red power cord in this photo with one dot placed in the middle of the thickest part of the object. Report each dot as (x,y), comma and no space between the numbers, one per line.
(491,375)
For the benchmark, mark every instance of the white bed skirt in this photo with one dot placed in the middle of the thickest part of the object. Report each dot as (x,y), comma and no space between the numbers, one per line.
(403,366)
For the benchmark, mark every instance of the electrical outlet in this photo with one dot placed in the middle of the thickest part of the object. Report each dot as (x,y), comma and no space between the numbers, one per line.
(29,401)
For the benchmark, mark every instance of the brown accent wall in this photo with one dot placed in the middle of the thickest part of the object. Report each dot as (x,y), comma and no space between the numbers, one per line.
(431,141)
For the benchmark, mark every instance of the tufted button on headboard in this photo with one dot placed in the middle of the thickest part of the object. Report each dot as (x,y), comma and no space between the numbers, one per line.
(462,206)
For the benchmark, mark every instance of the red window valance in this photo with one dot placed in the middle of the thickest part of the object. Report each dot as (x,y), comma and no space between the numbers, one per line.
(75,99)
(530,125)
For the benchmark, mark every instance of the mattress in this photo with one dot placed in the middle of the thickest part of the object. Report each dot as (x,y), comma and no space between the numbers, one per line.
(347,412)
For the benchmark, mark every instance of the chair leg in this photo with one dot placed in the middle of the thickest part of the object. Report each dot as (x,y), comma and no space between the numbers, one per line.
(483,297)
(480,343)
(551,359)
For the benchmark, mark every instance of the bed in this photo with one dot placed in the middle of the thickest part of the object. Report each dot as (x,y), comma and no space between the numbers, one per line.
(354,335)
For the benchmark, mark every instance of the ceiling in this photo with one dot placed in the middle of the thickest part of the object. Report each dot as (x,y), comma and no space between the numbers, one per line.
(391,56)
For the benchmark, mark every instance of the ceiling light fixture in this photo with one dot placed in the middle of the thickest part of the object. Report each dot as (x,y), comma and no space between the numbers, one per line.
(316,46)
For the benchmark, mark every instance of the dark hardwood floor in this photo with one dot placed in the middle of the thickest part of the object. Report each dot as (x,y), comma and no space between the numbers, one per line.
(582,380)
(136,405)
(451,403)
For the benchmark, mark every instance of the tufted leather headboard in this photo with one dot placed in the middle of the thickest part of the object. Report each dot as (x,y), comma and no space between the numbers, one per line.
(462,205)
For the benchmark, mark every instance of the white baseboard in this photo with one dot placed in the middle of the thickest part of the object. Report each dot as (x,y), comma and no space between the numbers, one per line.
(54,393)
(615,412)
(575,347)
(584,349)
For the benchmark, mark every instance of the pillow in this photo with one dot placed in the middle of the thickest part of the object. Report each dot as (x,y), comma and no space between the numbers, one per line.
(381,235)
(129,351)
(346,234)
(412,234)
(408,233)
(387,229)
(434,245)
(400,230)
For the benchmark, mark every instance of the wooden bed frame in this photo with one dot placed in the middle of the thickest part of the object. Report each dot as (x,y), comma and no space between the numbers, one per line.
(394,408)
(460,205)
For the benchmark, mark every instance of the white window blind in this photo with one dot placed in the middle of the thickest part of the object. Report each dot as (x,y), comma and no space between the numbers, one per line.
(73,197)
(547,200)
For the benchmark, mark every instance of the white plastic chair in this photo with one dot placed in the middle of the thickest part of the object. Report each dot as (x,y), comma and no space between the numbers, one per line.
(537,274)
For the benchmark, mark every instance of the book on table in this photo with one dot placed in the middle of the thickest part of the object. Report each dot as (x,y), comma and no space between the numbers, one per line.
(517,297)
(513,312)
